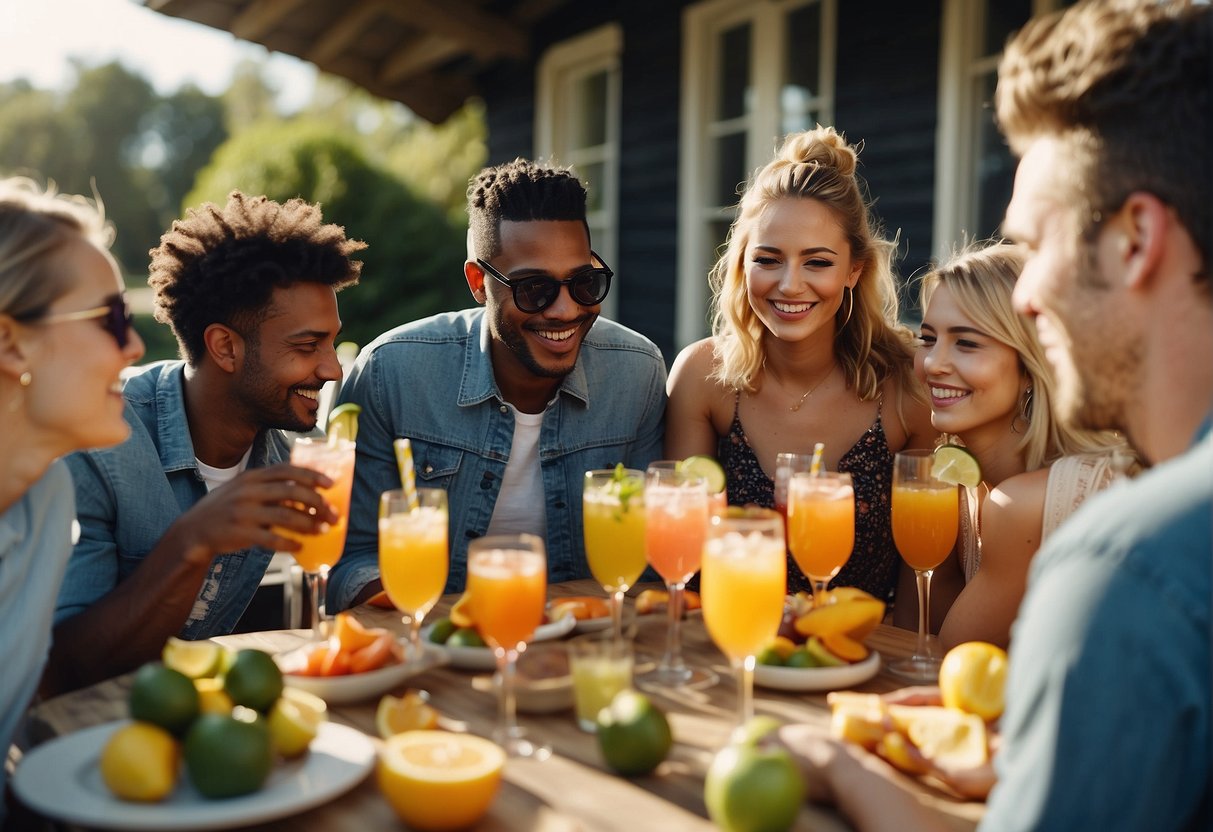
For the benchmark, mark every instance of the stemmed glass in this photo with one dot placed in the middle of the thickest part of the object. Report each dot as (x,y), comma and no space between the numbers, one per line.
(320,552)
(821,526)
(676,520)
(507,584)
(743,585)
(613,519)
(926,515)
(413,554)
(787,464)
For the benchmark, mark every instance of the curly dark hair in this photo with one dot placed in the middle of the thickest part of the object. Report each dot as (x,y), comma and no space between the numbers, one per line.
(520,191)
(222,265)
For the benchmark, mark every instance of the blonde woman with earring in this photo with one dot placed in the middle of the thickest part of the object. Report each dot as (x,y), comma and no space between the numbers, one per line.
(65,335)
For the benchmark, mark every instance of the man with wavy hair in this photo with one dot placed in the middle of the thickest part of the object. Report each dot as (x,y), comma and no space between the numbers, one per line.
(178,524)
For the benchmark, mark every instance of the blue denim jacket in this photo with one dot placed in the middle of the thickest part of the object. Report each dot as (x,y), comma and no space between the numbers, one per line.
(127,497)
(432,381)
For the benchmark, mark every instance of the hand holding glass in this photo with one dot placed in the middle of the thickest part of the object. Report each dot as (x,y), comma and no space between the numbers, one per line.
(413,554)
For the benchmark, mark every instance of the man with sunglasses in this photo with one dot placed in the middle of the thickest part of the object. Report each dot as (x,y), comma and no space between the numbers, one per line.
(507,406)
(178,524)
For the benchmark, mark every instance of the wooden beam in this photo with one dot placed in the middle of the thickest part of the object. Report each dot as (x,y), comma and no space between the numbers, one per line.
(260,17)
(479,32)
(347,29)
(419,56)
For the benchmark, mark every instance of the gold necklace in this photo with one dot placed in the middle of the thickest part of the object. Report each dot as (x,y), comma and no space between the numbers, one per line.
(796,407)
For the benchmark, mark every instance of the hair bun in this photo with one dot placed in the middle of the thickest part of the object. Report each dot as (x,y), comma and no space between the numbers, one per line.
(823,146)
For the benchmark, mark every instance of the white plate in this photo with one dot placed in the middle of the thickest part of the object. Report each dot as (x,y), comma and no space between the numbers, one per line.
(60,779)
(592,625)
(356,687)
(817,678)
(481,658)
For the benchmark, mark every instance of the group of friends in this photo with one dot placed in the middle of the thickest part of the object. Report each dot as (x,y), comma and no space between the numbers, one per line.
(139,505)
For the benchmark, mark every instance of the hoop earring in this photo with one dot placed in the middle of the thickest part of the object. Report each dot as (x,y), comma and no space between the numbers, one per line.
(850,307)
(1025,413)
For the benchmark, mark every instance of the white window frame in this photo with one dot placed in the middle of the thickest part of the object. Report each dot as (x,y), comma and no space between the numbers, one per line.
(961,71)
(559,70)
(702,23)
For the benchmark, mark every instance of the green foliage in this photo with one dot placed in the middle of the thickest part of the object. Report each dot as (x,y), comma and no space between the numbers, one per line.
(413,262)
(158,340)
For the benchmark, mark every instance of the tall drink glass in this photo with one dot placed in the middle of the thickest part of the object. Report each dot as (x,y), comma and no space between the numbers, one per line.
(821,526)
(613,520)
(321,551)
(743,584)
(676,520)
(507,584)
(926,516)
(787,464)
(413,554)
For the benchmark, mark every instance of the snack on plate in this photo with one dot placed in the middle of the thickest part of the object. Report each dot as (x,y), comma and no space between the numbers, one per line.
(352,648)
(581,607)
(827,635)
(656,600)
(458,629)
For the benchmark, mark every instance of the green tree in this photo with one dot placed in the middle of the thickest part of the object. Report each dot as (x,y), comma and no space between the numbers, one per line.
(413,262)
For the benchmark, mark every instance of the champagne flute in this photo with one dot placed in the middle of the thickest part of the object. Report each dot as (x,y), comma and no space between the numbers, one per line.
(507,584)
(413,554)
(676,520)
(787,464)
(743,585)
(926,516)
(821,526)
(613,522)
(320,552)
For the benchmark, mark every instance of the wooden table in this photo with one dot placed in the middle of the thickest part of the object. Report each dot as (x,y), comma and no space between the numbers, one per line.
(573,790)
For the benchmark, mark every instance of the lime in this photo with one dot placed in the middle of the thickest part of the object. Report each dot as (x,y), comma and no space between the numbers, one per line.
(294,721)
(195,659)
(228,755)
(465,637)
(956,465)
(163,697)
(753,785)
(706,467)
(253,680)
(770,655)
(343,422)
(441,631)
(801,657)
(633,734)
(140,762)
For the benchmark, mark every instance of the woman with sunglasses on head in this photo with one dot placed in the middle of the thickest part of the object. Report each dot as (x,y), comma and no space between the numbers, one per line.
(991,390)
(65,337)
(806,348)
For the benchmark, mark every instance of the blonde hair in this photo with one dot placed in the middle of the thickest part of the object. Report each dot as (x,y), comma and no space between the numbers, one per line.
(981,278)
(35,225)
(871,346)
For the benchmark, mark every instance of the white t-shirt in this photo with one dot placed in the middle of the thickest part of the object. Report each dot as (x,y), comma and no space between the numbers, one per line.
(520,505)
(215,477)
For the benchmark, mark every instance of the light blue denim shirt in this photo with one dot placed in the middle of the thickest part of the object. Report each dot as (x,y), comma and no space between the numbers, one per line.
(432,381)
(127,497)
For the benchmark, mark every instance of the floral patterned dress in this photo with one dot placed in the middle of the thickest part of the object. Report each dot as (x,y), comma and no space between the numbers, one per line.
(874,560)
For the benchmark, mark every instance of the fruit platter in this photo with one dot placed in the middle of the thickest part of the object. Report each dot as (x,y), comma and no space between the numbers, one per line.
(456,638)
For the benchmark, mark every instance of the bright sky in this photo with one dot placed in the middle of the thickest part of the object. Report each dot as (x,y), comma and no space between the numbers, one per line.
(37,37)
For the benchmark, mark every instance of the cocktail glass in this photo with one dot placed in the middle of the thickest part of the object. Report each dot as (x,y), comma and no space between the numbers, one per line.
(321,551)
(413,554)
(926,516)
(787,464)
(821,526)
(507,584)
(743,584)
(613,520)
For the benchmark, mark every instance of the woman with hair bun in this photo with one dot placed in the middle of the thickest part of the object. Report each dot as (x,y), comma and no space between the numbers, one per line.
(806,348)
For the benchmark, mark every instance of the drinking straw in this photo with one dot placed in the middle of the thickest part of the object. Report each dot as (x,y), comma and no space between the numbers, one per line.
(816,469)
(408,477)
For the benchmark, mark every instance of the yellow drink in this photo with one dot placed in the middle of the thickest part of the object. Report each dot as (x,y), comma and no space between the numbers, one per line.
(614,538)
(508,589)
(413,558)
(743,585)
(600,668)
(323,549)
(925,521)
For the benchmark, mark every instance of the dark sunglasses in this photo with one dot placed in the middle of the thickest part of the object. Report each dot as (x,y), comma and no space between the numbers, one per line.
(534,294)
(115,317)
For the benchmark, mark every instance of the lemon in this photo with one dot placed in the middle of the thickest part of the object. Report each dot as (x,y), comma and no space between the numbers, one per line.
(343,422)
(972,678)
(212,698)
(410,712)
(956,465)
(706,467)
(945,736)
(195,659)
(436,780)
(294,721)
(163,697)
(140,762)
(227,756)
(253,680)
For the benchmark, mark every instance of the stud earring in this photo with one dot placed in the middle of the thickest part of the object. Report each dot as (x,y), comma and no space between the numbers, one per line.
(26,378)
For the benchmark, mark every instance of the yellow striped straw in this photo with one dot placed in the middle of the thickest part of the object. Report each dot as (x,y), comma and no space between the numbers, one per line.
(408,477)
(815,467)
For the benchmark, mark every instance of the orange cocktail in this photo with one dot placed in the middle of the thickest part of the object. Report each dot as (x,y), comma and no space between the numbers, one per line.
(821,524)
(413,552)
(926,518)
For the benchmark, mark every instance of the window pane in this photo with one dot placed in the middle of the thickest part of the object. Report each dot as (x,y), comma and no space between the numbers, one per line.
(718,233)
(593,177)
(1002,18)
(730,168)
(733,85)
(802,67)
(995,165)
(589,97)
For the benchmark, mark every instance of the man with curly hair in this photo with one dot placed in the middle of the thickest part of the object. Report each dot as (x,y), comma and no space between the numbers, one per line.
(507,406)
(178,524)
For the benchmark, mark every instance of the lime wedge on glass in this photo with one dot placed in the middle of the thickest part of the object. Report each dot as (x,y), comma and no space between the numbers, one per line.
(195,659)
(706,467)
(343,422)
(956,465)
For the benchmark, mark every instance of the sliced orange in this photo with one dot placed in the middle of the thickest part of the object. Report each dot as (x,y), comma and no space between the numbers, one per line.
(410,712)
(374,656)
(436,780)
(461,613)
(350,633)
